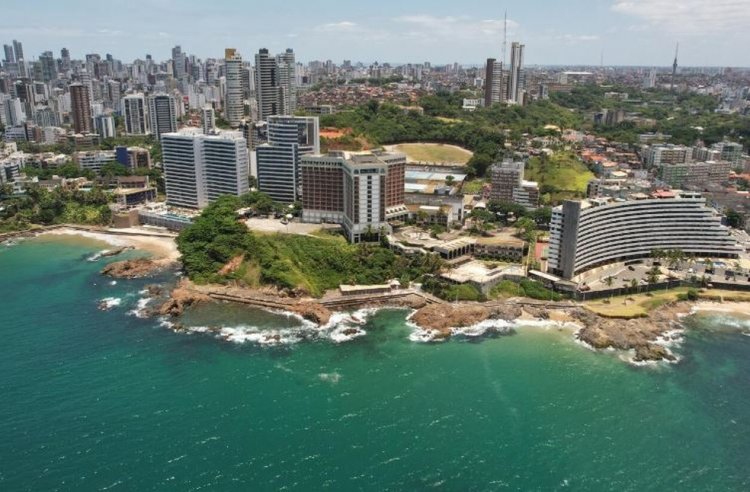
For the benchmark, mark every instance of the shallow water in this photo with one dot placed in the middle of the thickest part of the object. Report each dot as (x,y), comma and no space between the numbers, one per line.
(97,400)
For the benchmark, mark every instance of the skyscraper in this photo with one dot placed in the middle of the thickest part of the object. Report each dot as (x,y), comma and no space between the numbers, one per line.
(134,111)
(9,58)
(494,83)
(287,68)
(48,66)
(266,85)
(80,106)
(289,138)
(178,62)
(65,58)
(200,168)
(234,108)
(516,76)
(161,113)
(18,49)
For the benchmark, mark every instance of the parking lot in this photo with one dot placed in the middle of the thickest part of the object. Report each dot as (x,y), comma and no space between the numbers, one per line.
(718,270)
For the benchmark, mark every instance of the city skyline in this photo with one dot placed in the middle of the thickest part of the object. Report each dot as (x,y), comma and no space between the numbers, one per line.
(632,32)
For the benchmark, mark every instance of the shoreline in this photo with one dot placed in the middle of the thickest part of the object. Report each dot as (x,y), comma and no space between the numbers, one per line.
(163,248)
(648,339)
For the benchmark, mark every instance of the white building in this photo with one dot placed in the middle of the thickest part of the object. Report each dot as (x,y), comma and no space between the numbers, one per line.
(200,168)
(135,113)
(585,235)
(94,160)
(234,108)
(104,125)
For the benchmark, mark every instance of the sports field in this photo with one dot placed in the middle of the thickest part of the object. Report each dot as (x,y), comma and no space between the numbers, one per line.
(434,153)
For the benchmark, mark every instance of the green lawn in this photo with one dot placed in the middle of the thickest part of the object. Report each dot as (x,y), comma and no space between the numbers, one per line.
(435,153)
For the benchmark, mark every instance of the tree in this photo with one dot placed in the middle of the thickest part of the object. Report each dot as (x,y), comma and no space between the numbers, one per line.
(735,220)
(609,280)
(449,180)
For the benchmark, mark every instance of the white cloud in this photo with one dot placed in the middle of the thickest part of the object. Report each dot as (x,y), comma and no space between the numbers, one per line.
(456,27)
(690,16)
(343,26)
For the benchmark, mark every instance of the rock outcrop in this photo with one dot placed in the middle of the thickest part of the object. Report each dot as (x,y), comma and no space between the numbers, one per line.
(182,297)
(129,269)
(442,317)
(312,311)
(640,334)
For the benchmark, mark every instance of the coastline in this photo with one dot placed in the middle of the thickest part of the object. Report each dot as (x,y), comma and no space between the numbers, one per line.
(648,339)
(163,248)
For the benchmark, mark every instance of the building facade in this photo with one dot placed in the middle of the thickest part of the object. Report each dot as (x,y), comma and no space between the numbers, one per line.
(278,161)
(234,108)
(352,189)
(80,108)
(585,235)
(200,168)
(135,114)
(161,114)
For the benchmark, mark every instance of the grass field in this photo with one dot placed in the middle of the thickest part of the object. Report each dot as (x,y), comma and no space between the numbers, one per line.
(434,153)
(473,187)
(633,306)
(640,305)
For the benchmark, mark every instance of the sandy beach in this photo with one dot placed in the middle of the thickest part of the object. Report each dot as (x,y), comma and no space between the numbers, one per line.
(161,247)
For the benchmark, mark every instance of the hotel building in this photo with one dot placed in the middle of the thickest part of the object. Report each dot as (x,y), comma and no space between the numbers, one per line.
(585,235)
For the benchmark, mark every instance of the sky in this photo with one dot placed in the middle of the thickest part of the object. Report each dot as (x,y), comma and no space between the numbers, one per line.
(555,32)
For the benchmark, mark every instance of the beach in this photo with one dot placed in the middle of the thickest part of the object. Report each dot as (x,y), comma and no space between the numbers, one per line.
(161,246)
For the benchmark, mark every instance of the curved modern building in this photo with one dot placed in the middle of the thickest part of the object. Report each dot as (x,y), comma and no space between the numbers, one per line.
(589,234)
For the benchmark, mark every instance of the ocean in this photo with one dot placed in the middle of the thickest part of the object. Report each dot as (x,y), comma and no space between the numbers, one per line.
(105,400)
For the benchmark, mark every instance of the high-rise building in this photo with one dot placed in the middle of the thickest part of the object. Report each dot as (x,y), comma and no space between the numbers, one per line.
(80,108)
(589,234)
(161,113)
(200,168)
(208,119)
(289,138)
(516,79)
(65,59)
(234,107)
(178,63)
(509,186)
(494,83)
(135,114)
(9,58)
(104,125)
(266,85)
(287,69)
(18,50)
(44,116)
(354,190)
(48,66)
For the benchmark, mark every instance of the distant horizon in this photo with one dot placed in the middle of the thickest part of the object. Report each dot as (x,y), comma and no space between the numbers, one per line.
(627,32)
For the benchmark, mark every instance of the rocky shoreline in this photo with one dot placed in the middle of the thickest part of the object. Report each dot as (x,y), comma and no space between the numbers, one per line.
(645,337)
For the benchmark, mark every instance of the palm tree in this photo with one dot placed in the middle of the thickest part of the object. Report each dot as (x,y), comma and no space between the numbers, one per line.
(609,281)
(635,285)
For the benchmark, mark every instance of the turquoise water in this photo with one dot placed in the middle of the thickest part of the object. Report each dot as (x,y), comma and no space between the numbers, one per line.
(95,400)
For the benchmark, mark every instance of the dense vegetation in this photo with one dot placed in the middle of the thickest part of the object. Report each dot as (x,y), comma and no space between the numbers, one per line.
(43,207)
(301,263)
(560,176)
(483,131)
(686,116)
(525,288)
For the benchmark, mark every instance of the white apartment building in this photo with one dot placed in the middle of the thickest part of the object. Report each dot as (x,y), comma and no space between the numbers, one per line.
(200,168)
